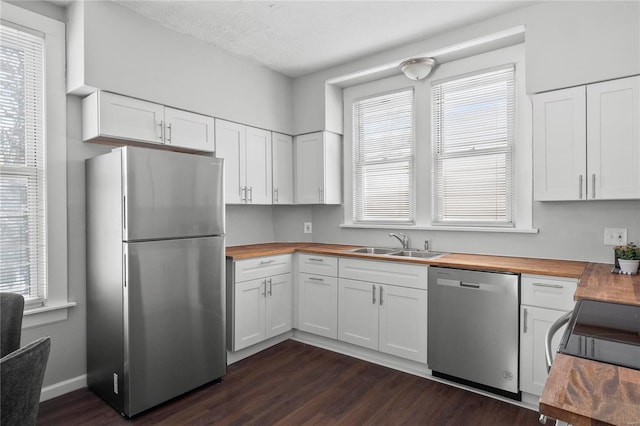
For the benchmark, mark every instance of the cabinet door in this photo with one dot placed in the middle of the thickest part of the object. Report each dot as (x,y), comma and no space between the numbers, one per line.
(318,305)
(309,168)
(188,130)
(282,169)
(559,145)
(258,166)
(613,139)
(358,313)
(279,305)
(128,118)
(403,322)
(533,368)
(230,145)
(249,313)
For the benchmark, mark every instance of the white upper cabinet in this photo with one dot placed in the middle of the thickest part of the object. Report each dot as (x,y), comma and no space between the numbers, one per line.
(111,117)
(247,156)
(258,166)
(318,168)
(119,117)
(188,130)
(282,152)
(587,142)
(613,139)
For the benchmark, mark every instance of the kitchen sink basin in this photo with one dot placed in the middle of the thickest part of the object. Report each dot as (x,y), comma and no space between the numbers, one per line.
(374,250)
(396,252)
(417,253)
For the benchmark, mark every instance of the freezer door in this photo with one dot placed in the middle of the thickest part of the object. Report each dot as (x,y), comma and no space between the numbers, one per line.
(174,319)
(170,194)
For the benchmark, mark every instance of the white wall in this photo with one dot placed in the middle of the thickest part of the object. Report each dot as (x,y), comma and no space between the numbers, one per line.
(132,55)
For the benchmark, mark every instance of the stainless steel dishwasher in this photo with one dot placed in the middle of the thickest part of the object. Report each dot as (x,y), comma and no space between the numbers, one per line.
(473,326)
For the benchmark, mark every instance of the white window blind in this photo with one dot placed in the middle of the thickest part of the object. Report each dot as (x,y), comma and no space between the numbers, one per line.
(22,164)
(383,158)
(473,133)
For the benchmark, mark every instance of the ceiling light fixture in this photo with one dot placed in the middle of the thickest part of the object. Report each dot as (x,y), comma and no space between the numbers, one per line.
(417,68)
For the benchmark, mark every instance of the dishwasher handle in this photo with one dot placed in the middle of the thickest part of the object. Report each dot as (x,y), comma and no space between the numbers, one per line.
(549,337)
(469,285)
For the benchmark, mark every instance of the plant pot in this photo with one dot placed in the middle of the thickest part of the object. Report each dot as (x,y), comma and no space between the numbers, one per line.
(629,267)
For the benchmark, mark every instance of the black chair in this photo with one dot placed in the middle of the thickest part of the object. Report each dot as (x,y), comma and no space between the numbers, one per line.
(21,375)
(11,310)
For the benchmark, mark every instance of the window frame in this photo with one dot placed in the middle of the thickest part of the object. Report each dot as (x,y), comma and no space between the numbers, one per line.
(56,302)
(410,220)
(507,150)
(351,94)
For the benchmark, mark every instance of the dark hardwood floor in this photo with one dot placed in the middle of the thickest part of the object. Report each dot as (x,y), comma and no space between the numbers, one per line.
(295,384)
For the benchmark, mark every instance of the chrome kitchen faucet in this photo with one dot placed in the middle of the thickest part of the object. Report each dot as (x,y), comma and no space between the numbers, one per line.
(404,240)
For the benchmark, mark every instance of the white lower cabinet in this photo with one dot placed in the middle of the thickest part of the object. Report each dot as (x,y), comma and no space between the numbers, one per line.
(544,300)
(318,295)
(381,315)
(262,307)
(386,318)
(318,305)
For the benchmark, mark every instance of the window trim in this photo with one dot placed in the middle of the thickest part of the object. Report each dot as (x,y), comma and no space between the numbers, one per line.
(522,150)
(55,305)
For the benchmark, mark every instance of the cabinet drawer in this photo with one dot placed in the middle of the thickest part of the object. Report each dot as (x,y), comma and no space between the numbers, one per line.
(395,273)
(318,265)
(251,269)
(548,292)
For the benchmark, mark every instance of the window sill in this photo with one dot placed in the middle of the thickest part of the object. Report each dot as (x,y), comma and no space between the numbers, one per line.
(46,314)
(444,228)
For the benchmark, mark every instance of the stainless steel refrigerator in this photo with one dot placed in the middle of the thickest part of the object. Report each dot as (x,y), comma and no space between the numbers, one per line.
(155,275)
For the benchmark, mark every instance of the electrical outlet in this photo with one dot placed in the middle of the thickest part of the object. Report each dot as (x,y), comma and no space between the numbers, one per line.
(307,227)
(615,236)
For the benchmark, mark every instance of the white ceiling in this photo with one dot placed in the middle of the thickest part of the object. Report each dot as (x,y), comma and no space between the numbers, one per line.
(299,37)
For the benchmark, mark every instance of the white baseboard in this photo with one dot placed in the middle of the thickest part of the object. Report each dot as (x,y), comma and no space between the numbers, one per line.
(60,388)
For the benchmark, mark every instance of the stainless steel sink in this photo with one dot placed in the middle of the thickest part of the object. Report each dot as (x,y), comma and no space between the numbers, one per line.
(417,253)
(374,250)
(395,252)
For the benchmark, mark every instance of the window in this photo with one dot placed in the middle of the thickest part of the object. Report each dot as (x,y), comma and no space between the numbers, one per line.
(22,165)
(473,136)
(33,163)
(383,158)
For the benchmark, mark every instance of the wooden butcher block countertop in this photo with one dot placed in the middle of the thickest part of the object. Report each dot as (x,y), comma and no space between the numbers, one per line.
(558,268)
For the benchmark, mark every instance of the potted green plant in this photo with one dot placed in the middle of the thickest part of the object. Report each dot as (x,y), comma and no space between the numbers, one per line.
(629,258)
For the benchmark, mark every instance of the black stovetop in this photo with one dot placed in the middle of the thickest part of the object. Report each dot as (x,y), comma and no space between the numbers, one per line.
(604,331)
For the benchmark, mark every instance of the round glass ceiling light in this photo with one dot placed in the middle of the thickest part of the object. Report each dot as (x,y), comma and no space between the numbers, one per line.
(417,68)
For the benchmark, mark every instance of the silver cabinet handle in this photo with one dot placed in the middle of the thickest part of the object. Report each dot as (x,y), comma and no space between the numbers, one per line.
(580,187)
(169,132)
(250,194)
(524,321)
(316,279)
(243,194)
(547,285)
(161,124)
(315,259)
(380,295)
(264,292)
(275,195)
(593,185)
(270,287)
(321,195)
(266,262)
(373,294)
